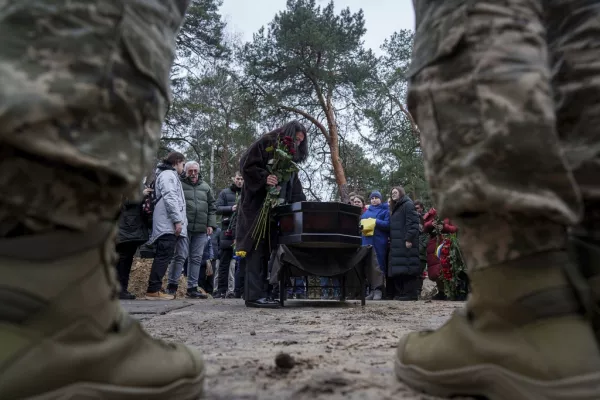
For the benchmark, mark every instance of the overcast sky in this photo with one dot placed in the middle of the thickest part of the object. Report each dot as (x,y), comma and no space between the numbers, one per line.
(382,17)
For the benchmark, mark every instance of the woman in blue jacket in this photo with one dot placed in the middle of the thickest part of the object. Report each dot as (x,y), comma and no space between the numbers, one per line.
(376,227)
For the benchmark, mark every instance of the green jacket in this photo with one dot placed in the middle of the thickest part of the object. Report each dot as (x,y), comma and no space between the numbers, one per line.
(200,206)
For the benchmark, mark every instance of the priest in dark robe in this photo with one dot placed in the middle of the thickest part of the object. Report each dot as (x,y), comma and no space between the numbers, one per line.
(257,179)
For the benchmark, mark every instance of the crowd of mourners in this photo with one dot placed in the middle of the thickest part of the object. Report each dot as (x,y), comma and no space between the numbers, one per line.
(177,225)
(405,238)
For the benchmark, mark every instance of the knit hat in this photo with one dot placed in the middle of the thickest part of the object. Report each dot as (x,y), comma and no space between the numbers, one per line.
(376,194)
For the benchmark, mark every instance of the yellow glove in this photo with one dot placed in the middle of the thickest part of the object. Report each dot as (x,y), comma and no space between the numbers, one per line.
(368,225)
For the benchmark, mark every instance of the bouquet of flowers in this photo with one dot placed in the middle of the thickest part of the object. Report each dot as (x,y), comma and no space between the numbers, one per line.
(282,166)
(239,255)
(438,225)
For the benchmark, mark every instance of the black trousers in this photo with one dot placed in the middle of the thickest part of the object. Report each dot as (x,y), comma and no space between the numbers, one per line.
(224,261)
(165,248)
(256,264)
(240,278)
(126,251)
(406,286)
(205,282)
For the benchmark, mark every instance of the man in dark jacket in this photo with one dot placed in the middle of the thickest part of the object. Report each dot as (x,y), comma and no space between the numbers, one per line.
(132,233)
(201,216)
(419,207)
(257,179)
(239,273)
(226,206)
(404,263)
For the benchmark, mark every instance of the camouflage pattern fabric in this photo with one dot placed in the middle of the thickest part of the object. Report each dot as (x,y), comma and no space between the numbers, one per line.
(85,88)
(506,94)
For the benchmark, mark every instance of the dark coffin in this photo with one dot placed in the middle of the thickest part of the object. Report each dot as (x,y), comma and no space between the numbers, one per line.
(318,224)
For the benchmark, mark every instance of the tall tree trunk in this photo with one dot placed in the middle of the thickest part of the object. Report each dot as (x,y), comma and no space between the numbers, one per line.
(225,166)
(336,162)
(225,159)
(331,136)
(212,165)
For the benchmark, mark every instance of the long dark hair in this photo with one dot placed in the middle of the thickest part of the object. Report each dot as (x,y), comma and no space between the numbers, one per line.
(393,202)
(290,130)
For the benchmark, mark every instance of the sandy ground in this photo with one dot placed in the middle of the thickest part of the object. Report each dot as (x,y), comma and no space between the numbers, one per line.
(341,350)
(138,279)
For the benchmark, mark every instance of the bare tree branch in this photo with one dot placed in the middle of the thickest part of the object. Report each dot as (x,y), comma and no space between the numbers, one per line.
(172,139)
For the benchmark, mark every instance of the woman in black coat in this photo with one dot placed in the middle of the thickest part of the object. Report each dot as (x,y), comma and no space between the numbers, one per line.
(133,233)
(404,263)
(254,168)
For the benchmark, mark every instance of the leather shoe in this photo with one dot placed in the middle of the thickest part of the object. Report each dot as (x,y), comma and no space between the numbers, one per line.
(262,303)
(125,295)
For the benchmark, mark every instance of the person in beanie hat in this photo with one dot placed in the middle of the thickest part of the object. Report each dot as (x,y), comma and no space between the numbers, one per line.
(376,225)
(376,194)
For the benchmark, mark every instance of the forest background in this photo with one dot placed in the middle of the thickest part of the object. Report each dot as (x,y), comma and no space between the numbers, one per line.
(310,63)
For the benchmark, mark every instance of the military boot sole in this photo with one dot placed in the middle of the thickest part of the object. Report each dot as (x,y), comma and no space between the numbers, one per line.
(183,389)
(493,382)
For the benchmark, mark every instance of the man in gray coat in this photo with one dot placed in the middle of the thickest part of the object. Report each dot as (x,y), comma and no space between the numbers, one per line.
(169,221)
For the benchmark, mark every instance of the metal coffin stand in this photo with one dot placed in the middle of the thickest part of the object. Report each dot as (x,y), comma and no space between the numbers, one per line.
(320,239)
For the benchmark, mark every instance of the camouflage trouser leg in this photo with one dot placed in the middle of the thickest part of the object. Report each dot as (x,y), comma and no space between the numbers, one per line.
(573,27)
(85,87)
(481,90)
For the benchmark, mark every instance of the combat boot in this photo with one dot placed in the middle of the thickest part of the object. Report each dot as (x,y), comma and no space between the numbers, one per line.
(522,335)
(63,334)
(586,254)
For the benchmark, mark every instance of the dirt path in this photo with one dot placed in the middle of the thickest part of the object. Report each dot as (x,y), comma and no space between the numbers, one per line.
(341,351)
